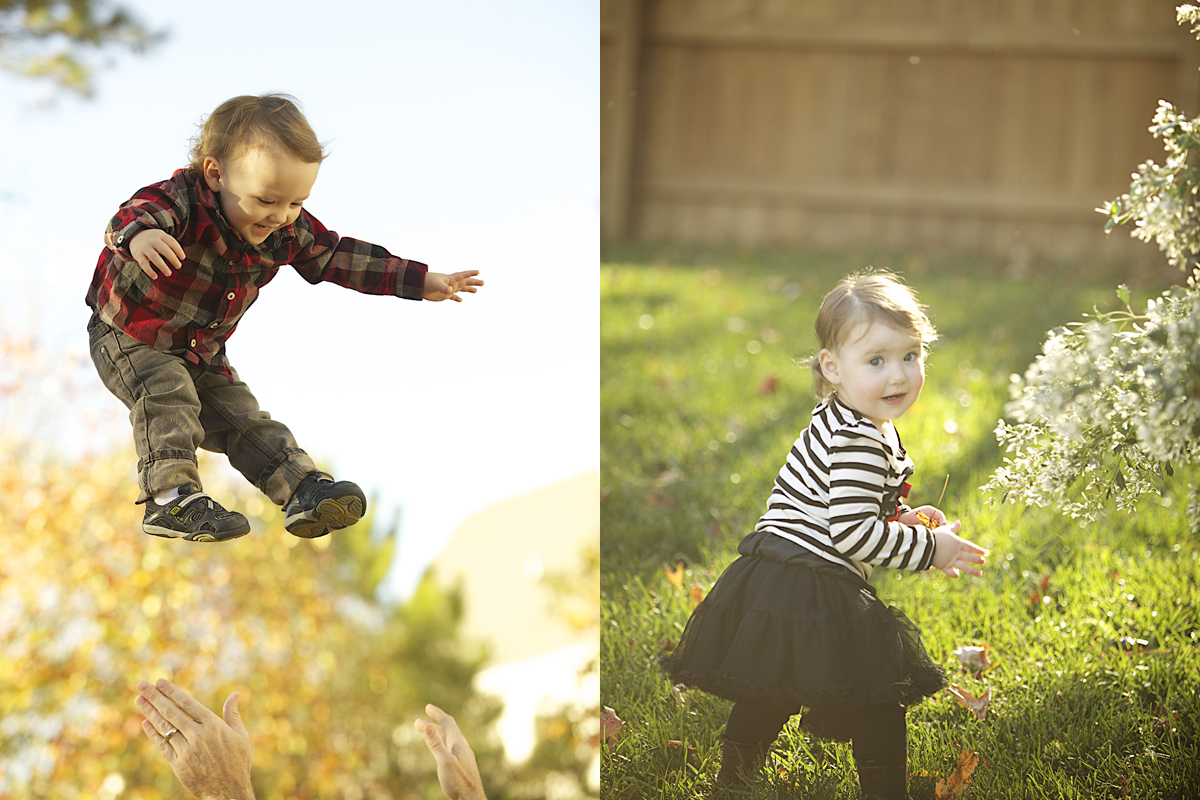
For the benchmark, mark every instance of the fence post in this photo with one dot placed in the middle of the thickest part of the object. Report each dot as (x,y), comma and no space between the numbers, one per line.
(616,179)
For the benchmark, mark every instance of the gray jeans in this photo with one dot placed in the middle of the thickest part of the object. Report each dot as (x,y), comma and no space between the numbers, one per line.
(176,407)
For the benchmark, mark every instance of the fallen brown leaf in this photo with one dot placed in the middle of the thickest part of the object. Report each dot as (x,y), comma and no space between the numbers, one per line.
(954,787)
(976,705)
(697,595)
(975,660)
(611,726)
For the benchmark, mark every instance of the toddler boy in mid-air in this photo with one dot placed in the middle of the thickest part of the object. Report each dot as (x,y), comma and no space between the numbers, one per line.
(184,260)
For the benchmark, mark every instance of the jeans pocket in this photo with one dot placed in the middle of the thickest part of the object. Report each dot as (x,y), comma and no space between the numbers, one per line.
(102,344)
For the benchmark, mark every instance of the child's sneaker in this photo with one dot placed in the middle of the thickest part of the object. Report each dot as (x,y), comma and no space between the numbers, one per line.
(193,516)
(319,506)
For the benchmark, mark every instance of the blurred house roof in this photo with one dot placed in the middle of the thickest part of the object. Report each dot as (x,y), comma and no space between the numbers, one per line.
(500,557)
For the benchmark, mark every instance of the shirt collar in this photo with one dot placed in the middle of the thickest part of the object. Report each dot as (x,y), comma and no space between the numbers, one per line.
(853,419)
(208,198)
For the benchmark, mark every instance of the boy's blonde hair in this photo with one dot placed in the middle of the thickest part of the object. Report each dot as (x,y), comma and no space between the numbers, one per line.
(243,123)
(870,296)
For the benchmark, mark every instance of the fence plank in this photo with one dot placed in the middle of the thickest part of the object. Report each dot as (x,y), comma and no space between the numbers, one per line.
(955,123)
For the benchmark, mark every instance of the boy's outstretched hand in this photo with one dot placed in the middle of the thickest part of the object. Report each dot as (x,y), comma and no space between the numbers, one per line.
(952,553)
(446,287)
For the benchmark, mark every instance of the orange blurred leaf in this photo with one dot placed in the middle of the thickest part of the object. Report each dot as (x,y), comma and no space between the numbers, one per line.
(697,595)
(954,787)
(675,576)
(769,385)
(1043,585)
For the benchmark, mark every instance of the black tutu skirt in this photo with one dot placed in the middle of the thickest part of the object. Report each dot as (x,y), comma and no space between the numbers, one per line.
(801,632)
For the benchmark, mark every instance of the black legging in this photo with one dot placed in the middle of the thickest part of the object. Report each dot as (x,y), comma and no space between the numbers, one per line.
(878,732)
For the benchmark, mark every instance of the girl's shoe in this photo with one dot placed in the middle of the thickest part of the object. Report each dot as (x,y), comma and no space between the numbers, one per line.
(319,506)
(193,516)
(883,780)
(739,762)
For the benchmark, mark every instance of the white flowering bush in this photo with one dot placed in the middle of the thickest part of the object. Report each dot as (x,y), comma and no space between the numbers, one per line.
(1112,405)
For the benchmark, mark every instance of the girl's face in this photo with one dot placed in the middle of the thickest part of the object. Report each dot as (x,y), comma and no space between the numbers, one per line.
(878,372)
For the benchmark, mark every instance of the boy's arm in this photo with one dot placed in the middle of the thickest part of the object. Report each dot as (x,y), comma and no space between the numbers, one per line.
(364,267)
(162,206)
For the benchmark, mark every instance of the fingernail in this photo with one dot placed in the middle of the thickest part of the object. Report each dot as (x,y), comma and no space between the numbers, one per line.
(161,683)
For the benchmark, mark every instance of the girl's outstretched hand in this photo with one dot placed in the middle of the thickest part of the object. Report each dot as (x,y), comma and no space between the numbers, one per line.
(924,515)
(953,554)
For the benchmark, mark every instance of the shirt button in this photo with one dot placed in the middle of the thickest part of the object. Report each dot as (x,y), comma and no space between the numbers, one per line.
(230,296)
(193,342)
(215,325)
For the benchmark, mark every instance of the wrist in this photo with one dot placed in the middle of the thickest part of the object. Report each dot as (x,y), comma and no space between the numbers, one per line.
(240,791)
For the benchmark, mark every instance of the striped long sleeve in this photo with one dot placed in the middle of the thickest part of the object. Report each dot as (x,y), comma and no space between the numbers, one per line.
(833,495)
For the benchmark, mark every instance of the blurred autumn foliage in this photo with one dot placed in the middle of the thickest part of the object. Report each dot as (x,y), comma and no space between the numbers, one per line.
(330,680)
(566,757)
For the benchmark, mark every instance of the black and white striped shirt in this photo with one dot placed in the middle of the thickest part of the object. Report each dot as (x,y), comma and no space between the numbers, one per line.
(840,483)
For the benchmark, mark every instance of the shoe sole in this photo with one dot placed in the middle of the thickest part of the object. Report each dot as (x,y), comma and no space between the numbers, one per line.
(225,536)
(331,514)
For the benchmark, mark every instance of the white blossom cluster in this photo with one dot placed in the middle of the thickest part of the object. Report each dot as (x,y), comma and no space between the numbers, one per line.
(1162,202)
(1111,406)
(1107,410)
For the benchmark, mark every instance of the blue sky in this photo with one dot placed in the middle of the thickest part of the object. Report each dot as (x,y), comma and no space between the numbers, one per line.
(462,133)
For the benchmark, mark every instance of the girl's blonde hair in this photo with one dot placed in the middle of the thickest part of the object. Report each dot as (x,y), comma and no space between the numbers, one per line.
(243,123)
(870,296)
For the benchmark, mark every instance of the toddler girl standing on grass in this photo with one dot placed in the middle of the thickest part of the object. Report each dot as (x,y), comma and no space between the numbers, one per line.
(793,622)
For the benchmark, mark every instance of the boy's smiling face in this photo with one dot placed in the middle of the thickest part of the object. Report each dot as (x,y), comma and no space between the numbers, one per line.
(260,190)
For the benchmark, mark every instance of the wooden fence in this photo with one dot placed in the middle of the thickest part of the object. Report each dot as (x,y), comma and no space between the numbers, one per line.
(981,125)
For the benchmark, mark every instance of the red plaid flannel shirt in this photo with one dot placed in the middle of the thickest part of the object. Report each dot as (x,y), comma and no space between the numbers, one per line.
(192,312)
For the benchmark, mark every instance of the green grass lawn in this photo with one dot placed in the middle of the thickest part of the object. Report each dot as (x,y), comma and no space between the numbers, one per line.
(701,399)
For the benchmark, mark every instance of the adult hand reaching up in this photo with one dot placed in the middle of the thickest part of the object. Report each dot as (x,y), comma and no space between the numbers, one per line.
(209,755)
(457,772)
